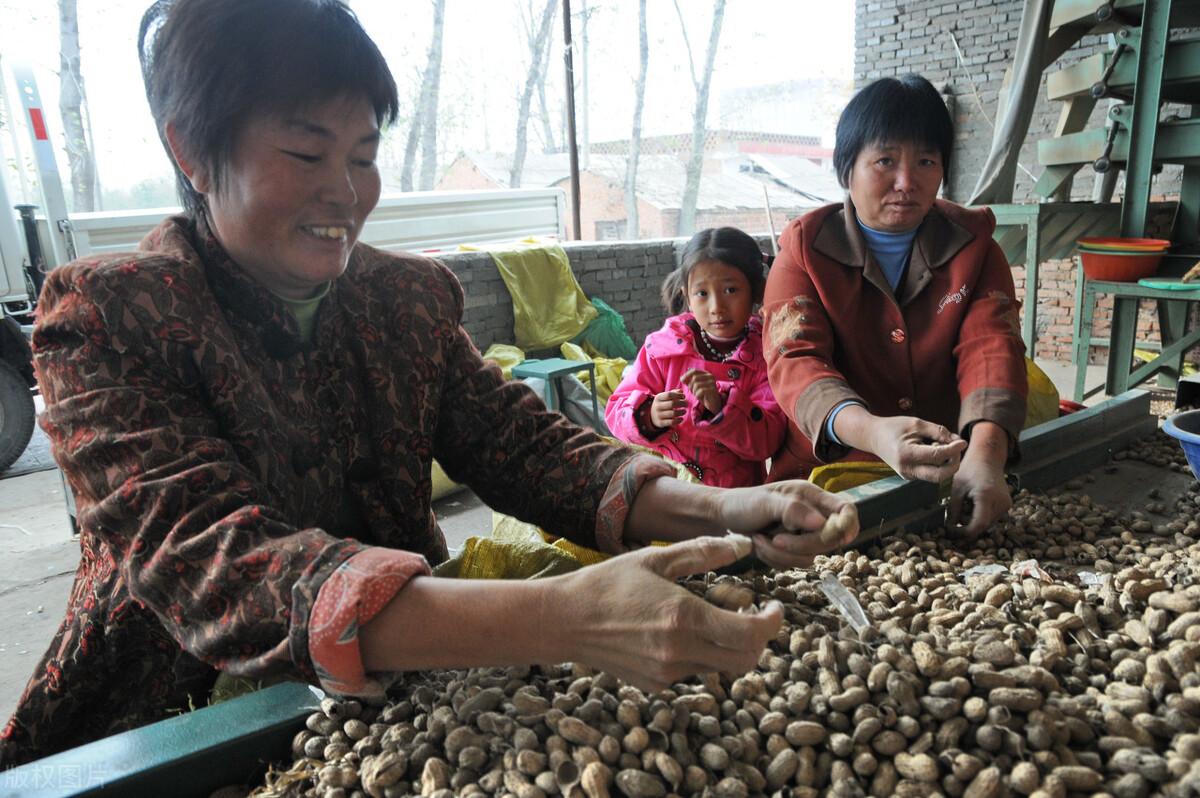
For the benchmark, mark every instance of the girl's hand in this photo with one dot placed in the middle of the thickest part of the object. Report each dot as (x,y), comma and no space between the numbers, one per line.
(703,386)
(667,409)
(783,519)
(627,617)
(916,449)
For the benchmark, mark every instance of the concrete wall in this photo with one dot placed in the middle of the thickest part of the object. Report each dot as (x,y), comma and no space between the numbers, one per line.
(626,275)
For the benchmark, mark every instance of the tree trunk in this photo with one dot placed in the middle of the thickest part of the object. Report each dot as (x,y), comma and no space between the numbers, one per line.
(635,138)
(410,150)
(547,129)
(691,189)
(584,141)
(70,103)
(536,44)
(429,99)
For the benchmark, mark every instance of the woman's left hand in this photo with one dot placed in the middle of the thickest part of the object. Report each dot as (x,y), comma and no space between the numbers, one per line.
(980,478)
(704,387)
(783,519)
(983,483)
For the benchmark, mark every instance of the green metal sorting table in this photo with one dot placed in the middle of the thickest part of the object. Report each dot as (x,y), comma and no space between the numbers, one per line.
(189,755)
(1121,375)
(230,743)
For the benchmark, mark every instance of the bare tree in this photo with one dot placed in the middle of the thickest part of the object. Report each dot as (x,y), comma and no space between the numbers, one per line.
(635,138)
(584,142)
(537,42)
(423,131)
(702,82)
(547,129)
(71,103)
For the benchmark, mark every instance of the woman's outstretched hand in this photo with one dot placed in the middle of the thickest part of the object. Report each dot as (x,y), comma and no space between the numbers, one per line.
(626,616)
(784,520)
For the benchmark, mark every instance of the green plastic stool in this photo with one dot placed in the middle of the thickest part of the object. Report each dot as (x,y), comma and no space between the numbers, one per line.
(553,370)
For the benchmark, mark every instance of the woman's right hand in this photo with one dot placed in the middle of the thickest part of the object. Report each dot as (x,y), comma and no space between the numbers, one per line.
(626,616)
(667,409)
(914,448)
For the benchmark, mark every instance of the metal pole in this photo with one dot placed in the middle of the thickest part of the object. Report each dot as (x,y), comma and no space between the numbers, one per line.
(572,146)
(1143,128)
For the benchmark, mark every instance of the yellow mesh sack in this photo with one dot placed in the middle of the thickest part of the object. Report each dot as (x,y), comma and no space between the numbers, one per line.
(608,369)
(836,477)
(506,356)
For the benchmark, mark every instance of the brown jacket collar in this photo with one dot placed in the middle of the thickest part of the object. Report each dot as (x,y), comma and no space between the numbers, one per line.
(938,240)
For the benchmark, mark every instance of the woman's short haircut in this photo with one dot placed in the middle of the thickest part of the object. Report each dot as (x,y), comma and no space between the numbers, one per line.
(211,65)
(727,245)
(892,110)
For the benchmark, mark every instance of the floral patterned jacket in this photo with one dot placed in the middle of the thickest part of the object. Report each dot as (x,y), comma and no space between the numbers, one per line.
(224,471)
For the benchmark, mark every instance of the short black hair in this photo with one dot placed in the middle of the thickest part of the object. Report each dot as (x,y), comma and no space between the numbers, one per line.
(211,65)
(727,245)
(892,110)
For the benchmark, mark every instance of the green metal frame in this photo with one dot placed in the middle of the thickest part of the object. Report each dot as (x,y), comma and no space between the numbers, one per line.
(190,755)
(1151,48)
(1121,376)
(1180,74)
(1176,142)
(1035,232)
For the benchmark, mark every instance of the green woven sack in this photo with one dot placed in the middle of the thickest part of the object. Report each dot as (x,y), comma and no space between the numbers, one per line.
(606,333)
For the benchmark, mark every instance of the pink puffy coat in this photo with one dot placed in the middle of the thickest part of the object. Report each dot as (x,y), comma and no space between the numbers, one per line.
(730,448)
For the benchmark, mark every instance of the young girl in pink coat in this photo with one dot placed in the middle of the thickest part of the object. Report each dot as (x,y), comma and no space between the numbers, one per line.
(698,391)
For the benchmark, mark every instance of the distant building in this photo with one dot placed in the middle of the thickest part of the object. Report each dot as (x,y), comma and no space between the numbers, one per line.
(741,172)
(809,105)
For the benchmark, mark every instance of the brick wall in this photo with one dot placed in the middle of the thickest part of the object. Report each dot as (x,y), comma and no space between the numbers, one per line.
(896,37)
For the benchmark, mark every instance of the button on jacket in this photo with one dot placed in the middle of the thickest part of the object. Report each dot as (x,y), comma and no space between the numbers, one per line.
(945,345)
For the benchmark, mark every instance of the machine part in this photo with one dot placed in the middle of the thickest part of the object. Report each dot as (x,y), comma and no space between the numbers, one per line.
(1104,162)
(17,414)
(1100,87)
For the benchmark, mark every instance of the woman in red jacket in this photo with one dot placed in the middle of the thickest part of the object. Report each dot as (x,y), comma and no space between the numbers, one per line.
(891,319)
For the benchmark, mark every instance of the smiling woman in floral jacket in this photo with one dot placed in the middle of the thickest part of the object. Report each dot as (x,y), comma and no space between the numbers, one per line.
(246,410)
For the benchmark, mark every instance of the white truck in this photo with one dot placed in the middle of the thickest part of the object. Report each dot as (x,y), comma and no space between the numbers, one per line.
(17,294)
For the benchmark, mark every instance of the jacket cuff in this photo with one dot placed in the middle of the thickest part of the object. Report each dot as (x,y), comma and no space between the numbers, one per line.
(817,401)
(351,596)
(998,405)
(618,499)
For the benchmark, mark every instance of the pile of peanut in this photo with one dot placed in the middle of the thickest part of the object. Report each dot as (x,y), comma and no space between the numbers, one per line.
(1030,681)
